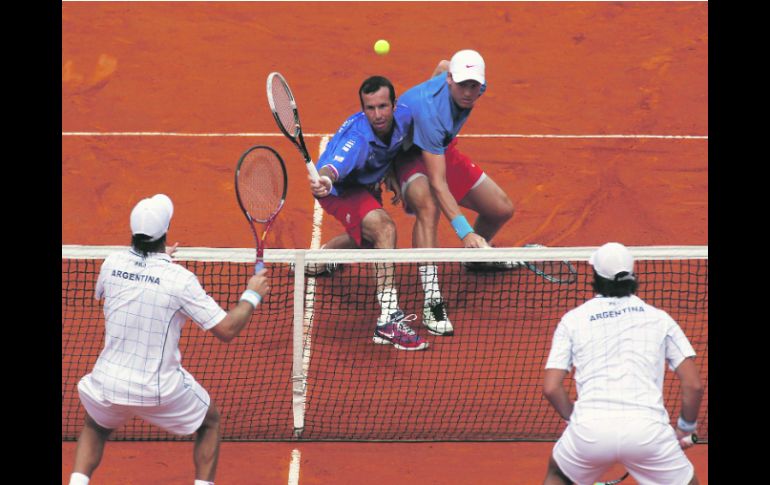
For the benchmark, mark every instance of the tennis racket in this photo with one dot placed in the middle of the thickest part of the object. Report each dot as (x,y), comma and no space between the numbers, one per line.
(284,108)
(553,271)
(693,438)
(260,186)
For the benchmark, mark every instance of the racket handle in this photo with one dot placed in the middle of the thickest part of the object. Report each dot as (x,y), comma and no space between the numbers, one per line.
(259,266)
(312,171)
(689,439)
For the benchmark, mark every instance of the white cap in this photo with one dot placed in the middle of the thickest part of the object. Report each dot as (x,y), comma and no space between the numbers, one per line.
(611,259)
(467,64)
(152,216)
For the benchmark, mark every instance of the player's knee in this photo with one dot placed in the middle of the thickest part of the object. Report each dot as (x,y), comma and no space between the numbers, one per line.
(385,234)
(93,425)
(505,209)
(212,419)
(379,228)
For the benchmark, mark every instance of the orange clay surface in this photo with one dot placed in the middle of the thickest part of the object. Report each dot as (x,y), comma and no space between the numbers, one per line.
(583,68)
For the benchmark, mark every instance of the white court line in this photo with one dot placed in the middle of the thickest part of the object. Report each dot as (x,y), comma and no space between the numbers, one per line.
(326,135)
(294,467)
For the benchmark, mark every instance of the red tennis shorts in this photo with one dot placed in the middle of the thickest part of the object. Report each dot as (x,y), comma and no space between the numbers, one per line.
(461,173)
(350,209)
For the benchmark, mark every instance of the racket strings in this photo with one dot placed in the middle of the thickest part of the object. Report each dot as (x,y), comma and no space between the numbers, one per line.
(261,184)
(283,105)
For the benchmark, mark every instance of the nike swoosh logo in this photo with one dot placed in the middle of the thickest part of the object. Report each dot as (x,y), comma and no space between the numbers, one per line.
(471,65)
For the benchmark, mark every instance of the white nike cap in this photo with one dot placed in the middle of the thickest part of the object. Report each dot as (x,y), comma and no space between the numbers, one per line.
(152,216)
(611,259)
(467,64)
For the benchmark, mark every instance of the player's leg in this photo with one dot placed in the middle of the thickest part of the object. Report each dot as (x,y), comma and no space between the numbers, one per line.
(475,190)
(188,410)
(554,476)
(206,448)
(492,205)
(419,201)
(379,231)
(101,418)
(89,451)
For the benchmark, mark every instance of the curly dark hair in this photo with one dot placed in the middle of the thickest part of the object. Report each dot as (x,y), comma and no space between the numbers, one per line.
(142,244)
(624,284)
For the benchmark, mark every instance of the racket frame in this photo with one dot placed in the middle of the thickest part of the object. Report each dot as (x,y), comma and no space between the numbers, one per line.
(297,139)
(260,241)
(571,271)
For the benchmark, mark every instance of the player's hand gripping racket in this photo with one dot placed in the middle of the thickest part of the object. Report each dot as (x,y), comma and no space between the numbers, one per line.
(284,109)
(260,186)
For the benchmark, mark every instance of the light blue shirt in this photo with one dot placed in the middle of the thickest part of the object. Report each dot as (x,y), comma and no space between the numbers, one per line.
(437,118)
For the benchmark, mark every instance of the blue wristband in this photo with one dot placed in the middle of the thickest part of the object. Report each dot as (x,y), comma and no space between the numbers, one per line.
(461,226)
(686,426)
(252,297)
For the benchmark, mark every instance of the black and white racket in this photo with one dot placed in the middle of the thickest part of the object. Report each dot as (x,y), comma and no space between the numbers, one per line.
(284,108)
(553,271)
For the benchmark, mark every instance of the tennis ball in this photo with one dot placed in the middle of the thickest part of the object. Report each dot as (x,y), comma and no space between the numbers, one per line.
(382,47)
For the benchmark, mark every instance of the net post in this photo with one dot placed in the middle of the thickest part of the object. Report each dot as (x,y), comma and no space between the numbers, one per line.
(298,376)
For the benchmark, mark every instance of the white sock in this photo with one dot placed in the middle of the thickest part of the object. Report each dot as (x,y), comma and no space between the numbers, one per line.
(388,299)
(79,479)
(429,277)
(203,482)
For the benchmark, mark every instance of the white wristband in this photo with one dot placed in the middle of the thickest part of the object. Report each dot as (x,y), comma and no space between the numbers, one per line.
(686,426)
(252,297)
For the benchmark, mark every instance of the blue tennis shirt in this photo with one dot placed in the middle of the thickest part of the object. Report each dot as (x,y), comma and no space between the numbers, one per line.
(437,119)
(358,156)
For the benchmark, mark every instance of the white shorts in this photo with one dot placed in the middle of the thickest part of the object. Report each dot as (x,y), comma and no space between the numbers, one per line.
(648,450)
(182,415)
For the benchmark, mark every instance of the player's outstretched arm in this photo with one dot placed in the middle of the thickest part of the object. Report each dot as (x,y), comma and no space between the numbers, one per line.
(436,168)
(240,314)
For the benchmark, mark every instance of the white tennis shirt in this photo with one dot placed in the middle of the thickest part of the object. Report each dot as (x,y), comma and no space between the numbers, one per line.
(146,302)
(619,348)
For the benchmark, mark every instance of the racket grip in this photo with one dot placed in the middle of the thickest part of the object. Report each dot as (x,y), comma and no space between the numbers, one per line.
(689,439)
(259,266)
(312,171)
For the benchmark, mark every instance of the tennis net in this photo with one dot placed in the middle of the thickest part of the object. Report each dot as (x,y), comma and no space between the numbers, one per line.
(306,367)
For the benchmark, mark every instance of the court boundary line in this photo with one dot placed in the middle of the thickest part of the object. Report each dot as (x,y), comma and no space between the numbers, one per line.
(327,135)
(294,464)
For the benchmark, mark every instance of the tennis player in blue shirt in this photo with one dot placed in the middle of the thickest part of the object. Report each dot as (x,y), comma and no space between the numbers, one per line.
(434,177)
(351,170)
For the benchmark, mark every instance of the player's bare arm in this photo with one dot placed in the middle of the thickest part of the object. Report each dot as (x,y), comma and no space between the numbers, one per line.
(436,167)
(323,186)
(240,314)
(553,390)
(692,394)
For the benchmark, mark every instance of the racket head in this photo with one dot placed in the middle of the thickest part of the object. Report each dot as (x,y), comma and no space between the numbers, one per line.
(261,183)
(553,271)
(282,104)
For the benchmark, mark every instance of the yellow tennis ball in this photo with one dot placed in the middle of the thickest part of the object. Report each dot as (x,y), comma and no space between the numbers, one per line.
(382,47)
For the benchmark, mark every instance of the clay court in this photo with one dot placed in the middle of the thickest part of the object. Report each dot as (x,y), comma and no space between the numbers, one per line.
(595,123)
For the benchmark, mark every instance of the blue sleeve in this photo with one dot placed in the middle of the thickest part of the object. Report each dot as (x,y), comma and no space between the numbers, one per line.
(344,156)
